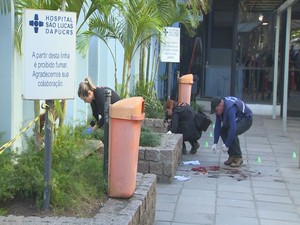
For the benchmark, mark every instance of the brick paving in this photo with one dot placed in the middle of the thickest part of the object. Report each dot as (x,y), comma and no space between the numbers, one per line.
(264,191)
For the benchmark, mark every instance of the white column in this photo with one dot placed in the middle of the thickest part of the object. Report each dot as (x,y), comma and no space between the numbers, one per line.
(275,80)
(286,68)
(6,74)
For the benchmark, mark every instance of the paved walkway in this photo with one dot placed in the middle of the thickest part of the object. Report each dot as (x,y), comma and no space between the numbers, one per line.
(264,191)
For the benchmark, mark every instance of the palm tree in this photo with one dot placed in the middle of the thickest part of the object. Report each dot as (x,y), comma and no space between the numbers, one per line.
(126,22)
(186,13)
(141,22)
(102,25)
(134,22)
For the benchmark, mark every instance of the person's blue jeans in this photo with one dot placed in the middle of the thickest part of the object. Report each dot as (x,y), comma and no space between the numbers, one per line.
(241,127)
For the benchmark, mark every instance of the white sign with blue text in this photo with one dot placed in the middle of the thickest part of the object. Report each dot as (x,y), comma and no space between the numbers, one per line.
(170,45)
(49,42)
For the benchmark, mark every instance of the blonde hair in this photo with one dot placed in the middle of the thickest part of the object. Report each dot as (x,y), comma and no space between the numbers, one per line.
(85,86)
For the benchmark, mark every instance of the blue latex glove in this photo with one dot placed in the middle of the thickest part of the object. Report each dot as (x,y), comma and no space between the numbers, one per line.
(87,131)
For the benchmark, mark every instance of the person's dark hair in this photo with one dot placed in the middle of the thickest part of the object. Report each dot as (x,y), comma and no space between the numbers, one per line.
(214,103)
(85,86)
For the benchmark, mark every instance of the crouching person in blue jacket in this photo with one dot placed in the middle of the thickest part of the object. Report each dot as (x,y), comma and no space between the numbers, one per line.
(181,117)
(233,117)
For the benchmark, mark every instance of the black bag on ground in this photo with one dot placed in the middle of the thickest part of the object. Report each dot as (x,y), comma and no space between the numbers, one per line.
(202,121)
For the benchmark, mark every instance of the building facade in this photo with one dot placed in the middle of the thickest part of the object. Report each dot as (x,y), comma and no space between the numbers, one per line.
(242,48)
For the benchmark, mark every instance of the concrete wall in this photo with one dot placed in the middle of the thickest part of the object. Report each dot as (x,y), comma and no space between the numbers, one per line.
(6,74)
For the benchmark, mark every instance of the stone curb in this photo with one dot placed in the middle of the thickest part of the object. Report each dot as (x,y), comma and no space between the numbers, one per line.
(139,209)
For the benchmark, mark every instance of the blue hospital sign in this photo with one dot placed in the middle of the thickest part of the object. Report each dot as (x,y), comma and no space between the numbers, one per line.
(49,42)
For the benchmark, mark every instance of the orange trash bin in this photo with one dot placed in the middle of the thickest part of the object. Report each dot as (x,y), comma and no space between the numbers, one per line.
(124,137)
(185,88)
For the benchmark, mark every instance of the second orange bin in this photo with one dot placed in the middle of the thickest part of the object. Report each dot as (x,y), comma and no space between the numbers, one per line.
(124,137)
(185,88)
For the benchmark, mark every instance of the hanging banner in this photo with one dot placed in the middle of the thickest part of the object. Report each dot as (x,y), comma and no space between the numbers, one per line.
(170,45)
(49,43)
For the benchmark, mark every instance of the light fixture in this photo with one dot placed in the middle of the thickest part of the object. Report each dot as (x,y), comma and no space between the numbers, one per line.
(261,17)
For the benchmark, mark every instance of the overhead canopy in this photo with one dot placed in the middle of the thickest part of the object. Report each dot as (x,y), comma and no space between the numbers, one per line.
(268,8)
(261,6)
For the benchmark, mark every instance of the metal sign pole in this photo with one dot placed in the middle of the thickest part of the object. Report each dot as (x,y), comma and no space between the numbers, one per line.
(169,79)
(106,132)
(47,162)
(48,148)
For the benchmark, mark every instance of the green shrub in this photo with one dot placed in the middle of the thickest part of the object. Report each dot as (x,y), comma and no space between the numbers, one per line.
(153,107)
(149,138)
(75,185)
(99,134)
(7,187)
(3,212)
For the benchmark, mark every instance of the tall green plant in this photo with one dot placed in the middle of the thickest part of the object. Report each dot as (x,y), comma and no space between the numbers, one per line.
(101,25)
(153,106)
(133,23)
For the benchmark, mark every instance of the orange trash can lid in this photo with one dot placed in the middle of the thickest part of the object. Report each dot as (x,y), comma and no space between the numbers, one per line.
(128,109)
(186,79)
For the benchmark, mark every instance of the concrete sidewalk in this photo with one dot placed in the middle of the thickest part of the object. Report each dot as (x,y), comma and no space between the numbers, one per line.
(264,191)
